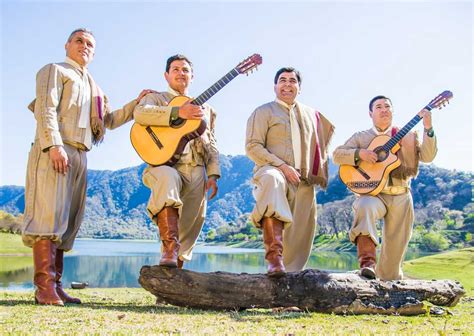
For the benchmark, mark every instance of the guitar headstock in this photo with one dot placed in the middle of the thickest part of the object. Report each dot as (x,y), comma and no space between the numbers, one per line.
(440,101)
(249,64)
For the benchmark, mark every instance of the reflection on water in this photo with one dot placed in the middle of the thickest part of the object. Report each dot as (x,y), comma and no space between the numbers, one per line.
(117,263)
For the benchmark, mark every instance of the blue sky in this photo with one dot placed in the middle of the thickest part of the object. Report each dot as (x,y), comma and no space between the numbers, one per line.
(347,52)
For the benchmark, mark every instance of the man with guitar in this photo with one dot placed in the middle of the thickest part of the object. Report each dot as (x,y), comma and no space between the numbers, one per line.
(71,114)
(177,202)
(288,141)
(393,203)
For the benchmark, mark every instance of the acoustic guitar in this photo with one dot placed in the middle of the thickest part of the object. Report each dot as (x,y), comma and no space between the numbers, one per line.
(371,178)
(163,145)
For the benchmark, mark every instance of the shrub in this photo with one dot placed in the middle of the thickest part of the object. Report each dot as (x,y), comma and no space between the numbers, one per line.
(434,242)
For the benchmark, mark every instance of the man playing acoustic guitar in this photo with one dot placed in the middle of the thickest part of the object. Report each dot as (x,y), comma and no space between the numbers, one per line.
(177,202)
(394,204)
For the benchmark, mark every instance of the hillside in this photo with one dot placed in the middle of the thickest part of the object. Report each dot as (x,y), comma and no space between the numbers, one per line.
(116,202)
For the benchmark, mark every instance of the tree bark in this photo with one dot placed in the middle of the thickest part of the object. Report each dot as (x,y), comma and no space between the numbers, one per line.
(311,290)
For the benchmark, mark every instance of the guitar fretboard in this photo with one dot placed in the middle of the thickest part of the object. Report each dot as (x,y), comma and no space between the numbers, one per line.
(206,95)
(400,134)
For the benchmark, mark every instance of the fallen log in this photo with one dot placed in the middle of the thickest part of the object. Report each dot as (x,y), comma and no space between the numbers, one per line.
(310,290)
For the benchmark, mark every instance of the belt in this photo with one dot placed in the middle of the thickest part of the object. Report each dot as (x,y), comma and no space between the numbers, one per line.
(395,190)
(76,145)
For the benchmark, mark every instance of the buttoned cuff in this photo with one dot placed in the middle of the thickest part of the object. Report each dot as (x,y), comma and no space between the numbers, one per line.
(53,139)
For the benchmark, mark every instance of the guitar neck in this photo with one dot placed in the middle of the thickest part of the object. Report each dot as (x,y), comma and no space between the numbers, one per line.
(206,95)
(400,134)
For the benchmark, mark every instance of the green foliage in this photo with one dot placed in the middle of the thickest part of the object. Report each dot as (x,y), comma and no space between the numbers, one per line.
(468,237)
(116,205)
(434,242)
(10,223)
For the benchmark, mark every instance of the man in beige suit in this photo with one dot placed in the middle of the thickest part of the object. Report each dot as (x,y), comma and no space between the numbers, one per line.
(178,202)
(71,115)
(394,204)
(288,141)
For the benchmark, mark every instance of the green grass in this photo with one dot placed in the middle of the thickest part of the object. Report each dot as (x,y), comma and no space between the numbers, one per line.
(11,244)
(124,311)
(455,265)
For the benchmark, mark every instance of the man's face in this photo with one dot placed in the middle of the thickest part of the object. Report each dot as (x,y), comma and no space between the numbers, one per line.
(81,48)
(381,113)
(287,87)
(179,76)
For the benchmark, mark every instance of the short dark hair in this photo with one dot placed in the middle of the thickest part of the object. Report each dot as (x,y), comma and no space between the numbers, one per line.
(177,57)
(80,30)
(288,69)
(372,101)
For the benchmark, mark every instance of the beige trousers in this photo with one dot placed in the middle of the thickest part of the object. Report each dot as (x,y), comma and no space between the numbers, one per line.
(182,187)
(54,203)
(397,213)
(294,205)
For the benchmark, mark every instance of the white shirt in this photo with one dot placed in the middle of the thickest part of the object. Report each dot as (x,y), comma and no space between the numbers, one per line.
(85,117)
(295,132)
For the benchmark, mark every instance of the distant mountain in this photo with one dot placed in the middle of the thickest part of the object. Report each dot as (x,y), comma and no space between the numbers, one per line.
(116,200)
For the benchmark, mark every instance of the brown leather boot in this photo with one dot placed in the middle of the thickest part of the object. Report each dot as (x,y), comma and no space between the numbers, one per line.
(367,256)
(273,241)
(44,254)
(59,286)
(167,221)
(180,263)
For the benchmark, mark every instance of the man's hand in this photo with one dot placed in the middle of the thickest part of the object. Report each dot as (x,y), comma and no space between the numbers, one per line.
(59,159)
(426,115)
(211,184)
(291,174)
(368,156)
(190,111)
(143,94)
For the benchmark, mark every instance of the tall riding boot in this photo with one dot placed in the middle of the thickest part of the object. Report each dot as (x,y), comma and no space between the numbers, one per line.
(44,253)
(367,256)
(167,221)
(180,263)
(59,286)
(273,241)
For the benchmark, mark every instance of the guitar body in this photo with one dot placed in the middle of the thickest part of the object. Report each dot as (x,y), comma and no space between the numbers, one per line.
(163,145)
(370,178)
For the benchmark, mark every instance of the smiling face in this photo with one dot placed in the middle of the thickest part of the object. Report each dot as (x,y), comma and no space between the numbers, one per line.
(80,48)
(179,76)
(381,113)
(287,87)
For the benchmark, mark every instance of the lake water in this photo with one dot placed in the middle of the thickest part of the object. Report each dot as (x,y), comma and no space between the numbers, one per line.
(117,263)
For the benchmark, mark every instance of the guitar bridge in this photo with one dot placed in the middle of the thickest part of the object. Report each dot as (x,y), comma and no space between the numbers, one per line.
(363,173)
(154,137)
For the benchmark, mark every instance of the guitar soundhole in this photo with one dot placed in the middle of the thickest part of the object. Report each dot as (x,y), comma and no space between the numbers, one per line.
(382,154)
(177,123)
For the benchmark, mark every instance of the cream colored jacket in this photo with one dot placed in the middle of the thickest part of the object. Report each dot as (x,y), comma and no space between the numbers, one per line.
(153,110)
(412,152)
(57,107)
